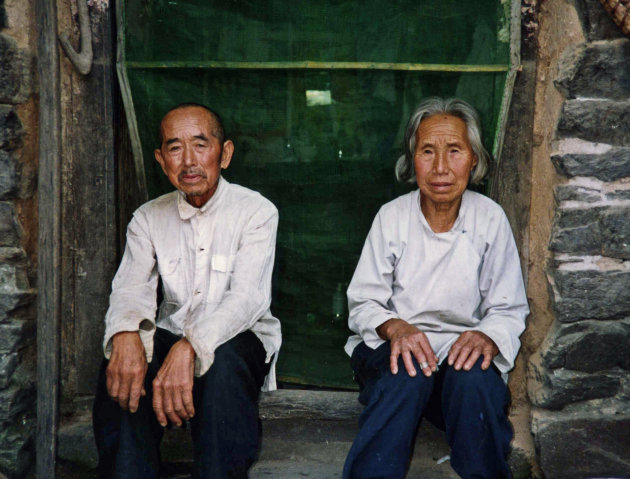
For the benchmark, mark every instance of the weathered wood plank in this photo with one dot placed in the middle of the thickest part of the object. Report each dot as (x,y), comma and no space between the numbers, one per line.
(49,198)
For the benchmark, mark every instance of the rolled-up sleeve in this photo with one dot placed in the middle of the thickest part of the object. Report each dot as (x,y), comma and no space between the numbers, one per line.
(503,306)
(132,303)
(371,287)
(248,296)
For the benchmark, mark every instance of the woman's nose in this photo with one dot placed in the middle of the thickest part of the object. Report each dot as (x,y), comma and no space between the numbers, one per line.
(440,163)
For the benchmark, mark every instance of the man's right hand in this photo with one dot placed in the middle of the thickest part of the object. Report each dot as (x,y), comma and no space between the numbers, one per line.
(407,341)
(126,370)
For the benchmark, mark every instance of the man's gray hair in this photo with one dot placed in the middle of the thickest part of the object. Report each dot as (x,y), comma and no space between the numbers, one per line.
(405,172)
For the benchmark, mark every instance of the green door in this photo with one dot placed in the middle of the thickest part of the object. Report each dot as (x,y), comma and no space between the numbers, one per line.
(315,96)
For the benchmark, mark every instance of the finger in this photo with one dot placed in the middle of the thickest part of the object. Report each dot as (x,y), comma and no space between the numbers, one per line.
(462,356)
(178,407)
(393,359)
(123,393)
(158,406)
(430,356)
(187,398)
(472,359)
(134,395)
(411,370)
(112,383)
(487,358)
(423,364)
(169,409)
(453,353)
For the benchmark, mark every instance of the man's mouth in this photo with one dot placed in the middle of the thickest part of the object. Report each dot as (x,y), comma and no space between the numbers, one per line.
(191,176)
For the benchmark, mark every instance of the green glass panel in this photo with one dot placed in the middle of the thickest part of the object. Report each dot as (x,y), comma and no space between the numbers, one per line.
(320,143)
(429,31)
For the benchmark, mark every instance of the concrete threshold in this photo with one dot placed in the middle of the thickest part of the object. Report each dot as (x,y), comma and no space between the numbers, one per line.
(306,434)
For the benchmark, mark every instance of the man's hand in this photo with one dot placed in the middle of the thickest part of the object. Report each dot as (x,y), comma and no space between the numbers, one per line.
(126,370)
(467,349)
(173,385)
(409,342)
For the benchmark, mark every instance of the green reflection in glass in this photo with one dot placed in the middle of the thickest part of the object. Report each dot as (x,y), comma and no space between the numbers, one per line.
(320,143)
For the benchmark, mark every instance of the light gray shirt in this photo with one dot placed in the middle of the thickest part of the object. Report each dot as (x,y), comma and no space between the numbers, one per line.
(467,279)
(215,263)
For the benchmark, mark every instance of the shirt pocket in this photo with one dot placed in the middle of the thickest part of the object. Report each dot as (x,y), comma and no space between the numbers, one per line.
(221,269)
(172,280)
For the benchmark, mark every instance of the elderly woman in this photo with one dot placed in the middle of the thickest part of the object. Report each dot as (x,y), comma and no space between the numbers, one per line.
(437,302)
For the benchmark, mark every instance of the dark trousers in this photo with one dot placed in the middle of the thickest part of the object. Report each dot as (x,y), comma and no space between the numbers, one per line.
(471,406)
(226,430)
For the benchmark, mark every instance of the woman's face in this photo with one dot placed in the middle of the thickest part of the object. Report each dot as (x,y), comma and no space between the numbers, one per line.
(443,159)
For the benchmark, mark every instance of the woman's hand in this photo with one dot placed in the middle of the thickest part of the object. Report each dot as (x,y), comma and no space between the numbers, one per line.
(467,349)
(409,342)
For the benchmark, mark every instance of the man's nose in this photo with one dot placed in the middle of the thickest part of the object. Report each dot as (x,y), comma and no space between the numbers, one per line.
(189,156)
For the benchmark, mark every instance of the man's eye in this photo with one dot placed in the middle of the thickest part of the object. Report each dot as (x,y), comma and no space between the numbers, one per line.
(174,148)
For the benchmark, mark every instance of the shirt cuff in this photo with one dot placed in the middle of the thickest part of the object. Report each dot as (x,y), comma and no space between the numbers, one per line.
(145,328)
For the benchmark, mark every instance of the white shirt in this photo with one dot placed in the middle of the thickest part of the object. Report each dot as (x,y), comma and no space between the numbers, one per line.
(467,279)
(215,263)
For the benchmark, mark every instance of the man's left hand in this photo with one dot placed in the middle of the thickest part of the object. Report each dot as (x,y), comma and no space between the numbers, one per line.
(467,349)
(173,385)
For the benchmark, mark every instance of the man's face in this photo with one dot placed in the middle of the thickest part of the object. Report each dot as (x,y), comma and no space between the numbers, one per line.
(443,159)
(190,155)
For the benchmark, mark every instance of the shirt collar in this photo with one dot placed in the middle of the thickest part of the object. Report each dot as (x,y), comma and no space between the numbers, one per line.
(458,225)
(187,211)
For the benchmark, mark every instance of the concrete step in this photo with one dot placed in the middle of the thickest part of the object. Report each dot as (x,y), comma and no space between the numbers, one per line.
(306,434)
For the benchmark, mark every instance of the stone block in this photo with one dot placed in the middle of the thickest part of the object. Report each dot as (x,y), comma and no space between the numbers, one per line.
(589,346)
(601,121)
(618,195)
(577,230)
(15,400)
(594,231)
(14,288)
(560,387)
(16,449)
(16,334)
(8,363)
(615,229)
(591,294)
(11,70)
(580,445)
(596,22)
(8,176)
(596,70)
(10,129)
(576,193)
(9,229)
(609,166)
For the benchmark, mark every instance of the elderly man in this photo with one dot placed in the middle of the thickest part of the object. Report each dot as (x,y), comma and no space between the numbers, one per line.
(437,304)
(212,346)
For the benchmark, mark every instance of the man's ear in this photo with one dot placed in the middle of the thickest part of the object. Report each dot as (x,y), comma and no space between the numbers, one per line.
(226,155)
(159,158)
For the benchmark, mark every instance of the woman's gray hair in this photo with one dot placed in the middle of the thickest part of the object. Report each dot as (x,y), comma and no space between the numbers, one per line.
(405,172)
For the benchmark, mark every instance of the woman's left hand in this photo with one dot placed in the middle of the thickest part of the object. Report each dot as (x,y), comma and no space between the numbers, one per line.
(467,349)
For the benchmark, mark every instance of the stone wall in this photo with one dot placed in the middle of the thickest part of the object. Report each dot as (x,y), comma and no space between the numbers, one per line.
(18,233)
(579,382)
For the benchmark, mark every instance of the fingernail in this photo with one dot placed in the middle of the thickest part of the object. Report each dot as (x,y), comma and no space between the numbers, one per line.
(163,424)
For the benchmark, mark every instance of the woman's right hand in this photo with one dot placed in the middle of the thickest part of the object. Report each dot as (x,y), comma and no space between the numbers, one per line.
(409,342)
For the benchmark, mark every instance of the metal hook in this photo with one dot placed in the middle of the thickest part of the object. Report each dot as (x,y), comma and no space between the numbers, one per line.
(82,61)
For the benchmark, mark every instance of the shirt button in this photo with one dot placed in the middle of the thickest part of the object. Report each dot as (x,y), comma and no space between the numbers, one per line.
(197,292)
(202,249)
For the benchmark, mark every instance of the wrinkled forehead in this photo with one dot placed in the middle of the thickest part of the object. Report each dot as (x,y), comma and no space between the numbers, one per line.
(189,117)
(442,127)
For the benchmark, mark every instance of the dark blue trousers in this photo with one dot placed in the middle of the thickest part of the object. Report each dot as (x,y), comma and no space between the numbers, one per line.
(226,430)
(471,406)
